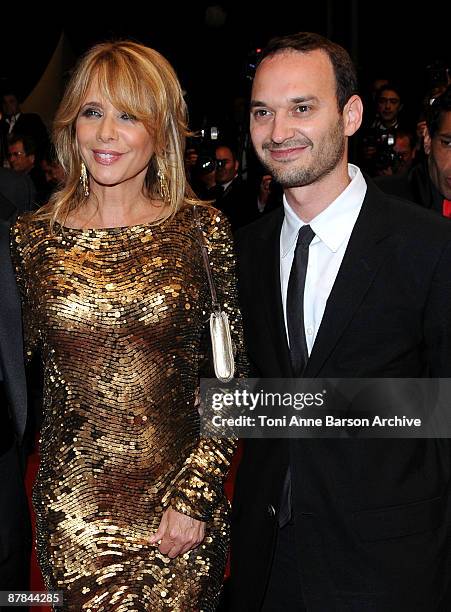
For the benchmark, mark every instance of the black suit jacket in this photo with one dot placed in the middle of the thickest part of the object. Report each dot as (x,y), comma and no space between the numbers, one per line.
(371,516)
(16,191)
(15,530)
(11,348)
(415,186)
(237,202)
(16,196)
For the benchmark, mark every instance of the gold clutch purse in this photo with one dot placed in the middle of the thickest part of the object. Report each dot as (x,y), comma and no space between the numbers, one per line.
(221,339)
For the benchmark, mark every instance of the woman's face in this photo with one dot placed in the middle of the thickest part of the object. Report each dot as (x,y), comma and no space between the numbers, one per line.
(114,146)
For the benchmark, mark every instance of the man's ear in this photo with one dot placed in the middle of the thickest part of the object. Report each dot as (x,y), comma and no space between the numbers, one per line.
(427,141)
(352,115)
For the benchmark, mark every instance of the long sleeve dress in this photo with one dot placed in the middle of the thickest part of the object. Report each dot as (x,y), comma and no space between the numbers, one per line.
(120,317)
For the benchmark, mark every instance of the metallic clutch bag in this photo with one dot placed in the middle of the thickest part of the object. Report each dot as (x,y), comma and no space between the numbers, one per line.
(221,340)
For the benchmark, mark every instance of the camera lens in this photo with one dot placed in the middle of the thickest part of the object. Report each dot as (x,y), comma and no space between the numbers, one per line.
(205,164)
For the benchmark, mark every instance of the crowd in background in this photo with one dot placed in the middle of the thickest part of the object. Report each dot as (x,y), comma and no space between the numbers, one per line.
(220,162)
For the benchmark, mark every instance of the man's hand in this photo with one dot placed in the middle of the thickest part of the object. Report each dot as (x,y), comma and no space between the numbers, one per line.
(178,533)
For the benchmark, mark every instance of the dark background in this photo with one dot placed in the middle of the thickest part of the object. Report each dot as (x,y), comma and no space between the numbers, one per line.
(210,47)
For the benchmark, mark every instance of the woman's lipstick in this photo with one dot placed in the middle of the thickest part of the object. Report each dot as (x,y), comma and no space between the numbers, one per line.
(106,157)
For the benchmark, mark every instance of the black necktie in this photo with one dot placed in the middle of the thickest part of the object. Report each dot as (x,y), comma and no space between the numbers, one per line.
(296,335)
(295,301)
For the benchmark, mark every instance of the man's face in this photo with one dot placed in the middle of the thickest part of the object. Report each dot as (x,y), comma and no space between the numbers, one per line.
(388,105)
(440,157)
(10,104)
(18,159)
(404,149)
(226,165)
(296,128)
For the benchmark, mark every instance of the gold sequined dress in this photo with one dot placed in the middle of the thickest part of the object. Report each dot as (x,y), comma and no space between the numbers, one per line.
(120,316)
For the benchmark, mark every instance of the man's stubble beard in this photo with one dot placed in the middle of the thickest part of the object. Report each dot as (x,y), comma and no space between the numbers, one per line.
(323,160)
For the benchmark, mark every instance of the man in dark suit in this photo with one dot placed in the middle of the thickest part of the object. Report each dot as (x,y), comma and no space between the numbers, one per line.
(15,122)
(15,532)
(428,183)
(328,525)
(231,193)
(16,190)
(23,159)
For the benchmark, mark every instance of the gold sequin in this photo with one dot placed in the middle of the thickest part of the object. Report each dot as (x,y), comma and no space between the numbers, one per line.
(118,315)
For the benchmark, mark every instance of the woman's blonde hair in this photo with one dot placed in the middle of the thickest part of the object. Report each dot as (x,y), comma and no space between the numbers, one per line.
(140,82)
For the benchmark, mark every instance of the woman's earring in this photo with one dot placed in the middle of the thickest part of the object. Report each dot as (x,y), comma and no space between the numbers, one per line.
(163,188)
(84,179)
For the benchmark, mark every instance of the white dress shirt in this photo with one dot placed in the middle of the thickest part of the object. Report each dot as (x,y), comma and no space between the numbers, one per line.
(333,228)
(11,121)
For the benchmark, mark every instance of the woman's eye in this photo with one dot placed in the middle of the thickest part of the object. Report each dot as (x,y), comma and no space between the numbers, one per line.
(91,112)
(127,117)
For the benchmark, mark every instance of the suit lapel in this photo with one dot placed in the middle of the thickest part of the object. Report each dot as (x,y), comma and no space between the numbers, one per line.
(270,292)
(368,247)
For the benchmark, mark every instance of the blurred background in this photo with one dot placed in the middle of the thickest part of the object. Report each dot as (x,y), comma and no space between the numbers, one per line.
(212,46)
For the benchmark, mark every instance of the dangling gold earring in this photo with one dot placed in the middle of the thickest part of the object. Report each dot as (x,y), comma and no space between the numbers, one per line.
(84,179)
(164,188)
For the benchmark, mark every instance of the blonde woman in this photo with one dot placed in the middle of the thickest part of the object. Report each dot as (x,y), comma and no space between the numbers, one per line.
(130,507)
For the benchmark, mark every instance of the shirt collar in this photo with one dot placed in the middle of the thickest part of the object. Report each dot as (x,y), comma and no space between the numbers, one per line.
(12,118)
(225,186)
(335,223)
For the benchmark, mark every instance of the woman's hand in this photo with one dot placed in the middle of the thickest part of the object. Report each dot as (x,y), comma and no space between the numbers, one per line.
(178,533)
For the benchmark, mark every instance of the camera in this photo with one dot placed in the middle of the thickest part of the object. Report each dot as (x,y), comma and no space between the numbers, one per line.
(209,133)
(207,163)
(385,155)
(204,142)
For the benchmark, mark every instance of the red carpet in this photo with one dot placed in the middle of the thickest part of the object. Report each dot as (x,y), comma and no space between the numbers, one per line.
(36,583)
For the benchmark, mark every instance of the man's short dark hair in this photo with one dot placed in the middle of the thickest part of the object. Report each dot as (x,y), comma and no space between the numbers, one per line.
(400,133)
(227,145)
(391,86)
(28,143)
(344,69)
(441,105)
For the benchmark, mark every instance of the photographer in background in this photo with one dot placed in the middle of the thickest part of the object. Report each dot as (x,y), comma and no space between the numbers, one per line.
(215,175)
(378,139)
(396,154)
(388,105)
(13,122)
(231,193)
(200,166)
(24,158)
(429,183)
